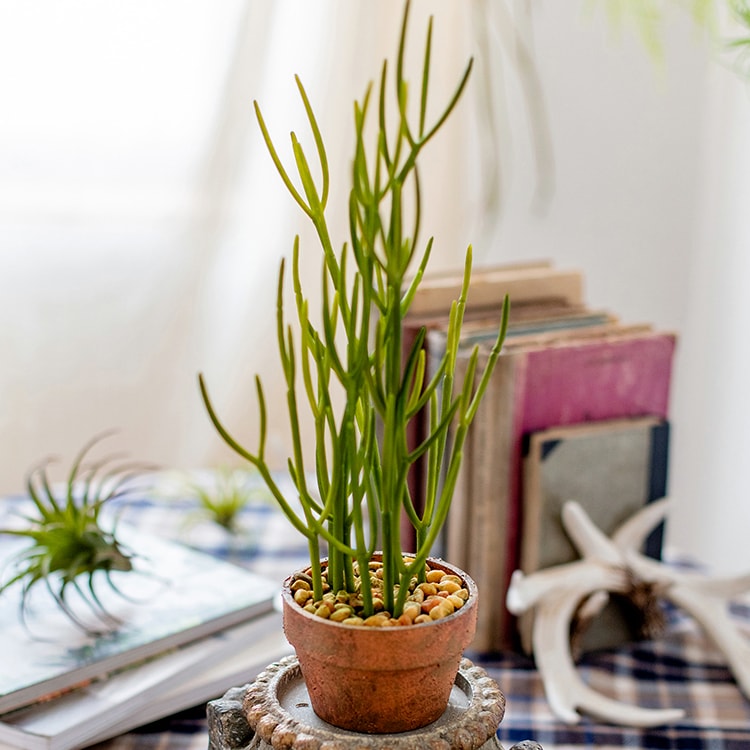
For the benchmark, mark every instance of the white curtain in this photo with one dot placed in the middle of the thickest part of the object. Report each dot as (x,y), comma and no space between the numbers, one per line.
(142,221)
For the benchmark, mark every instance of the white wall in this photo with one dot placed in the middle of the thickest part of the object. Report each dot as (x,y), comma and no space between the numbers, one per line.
(712,397)
(642,205)
(651,197)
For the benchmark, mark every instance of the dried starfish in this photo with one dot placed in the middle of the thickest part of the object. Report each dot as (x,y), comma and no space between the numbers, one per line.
(615,565)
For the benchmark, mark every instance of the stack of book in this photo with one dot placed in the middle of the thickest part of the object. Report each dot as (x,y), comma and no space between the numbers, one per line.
(577,408)
(190,627)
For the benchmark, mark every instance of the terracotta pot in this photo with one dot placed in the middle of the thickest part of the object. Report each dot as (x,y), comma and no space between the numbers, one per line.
(380,680)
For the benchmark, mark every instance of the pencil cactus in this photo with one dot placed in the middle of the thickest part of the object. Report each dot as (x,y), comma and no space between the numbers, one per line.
(362,453)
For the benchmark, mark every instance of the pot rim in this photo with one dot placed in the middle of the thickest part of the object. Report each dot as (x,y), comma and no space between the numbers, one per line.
(288,599)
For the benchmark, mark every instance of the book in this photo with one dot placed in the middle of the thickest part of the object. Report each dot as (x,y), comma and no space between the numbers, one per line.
(526,321)
(612,468)
(541,297)
(455,536)
(489,469)
(192,675)
(540,293)
(172,598)
(489,285)
(562,378)
(238,670)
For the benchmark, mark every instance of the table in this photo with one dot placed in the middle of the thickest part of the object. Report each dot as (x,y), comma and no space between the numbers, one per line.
(680,669)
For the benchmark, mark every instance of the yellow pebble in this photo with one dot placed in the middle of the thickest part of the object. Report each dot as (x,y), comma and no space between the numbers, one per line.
(341,614)
(353,621)
(417,596)
(437,613)
(430,589)
(421,619)
(412,609)
(323,611)
(455,600)
(300,584)
(435,576)
(450,586)
(375,621)
(301,596)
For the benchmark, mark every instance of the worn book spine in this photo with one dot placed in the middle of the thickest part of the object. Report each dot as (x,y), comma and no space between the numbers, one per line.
(541,382)
(610,377)
(457,529)
(537,290)
(489,287)
(487,541)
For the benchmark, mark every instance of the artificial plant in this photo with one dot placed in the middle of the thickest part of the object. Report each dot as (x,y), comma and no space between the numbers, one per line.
(361,387)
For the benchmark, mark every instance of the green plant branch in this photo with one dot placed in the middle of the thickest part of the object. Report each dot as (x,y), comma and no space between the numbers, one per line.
(356,351)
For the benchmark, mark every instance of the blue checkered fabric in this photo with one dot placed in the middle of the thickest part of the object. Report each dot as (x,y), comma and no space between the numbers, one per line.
(680,669)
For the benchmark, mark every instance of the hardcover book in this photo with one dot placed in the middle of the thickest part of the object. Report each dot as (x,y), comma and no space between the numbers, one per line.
(612,468)
(525,321)
(522,282)
(564,378)
(185,677)
(175,595)
(537,289)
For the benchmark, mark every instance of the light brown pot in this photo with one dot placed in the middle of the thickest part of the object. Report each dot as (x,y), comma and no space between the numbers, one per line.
(380,680)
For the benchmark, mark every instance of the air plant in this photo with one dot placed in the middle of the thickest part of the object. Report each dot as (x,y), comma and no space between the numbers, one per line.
(224,498)
(68,543)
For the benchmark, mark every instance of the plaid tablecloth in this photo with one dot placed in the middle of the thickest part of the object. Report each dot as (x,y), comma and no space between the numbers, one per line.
(680,669)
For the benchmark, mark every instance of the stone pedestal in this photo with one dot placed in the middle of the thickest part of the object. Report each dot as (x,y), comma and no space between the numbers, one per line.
(274,712)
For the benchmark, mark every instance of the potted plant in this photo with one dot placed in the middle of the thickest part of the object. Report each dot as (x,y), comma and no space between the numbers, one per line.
(368,597)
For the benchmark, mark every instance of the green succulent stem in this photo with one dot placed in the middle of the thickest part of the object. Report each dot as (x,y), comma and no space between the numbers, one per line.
(350,369)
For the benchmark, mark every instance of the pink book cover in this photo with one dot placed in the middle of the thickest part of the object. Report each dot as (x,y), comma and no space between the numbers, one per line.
(584,381)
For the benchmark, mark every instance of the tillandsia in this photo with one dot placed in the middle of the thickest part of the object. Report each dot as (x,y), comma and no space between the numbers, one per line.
(363,391)
(222,498)
(68,545)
